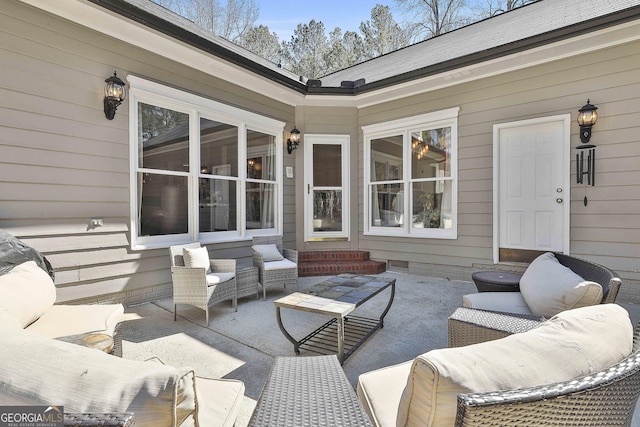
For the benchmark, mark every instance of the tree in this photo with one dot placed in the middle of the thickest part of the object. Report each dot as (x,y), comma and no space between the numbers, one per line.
(489,8)
(307,50)
(343,51)
(382,34)
(229,20)
(261,42)
(433,17)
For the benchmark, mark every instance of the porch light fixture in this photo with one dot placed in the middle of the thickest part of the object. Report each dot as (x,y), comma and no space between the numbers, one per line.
(587,117)
(293,141)
(114,94)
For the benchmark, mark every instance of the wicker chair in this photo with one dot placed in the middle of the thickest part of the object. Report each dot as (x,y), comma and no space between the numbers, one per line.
(275,273)
(190,284)
(606,398)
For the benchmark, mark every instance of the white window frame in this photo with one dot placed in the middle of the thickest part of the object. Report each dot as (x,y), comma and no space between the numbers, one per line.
(404,127)
(142,90)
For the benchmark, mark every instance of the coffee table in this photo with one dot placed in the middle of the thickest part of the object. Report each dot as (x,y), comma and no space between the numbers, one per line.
(336,297)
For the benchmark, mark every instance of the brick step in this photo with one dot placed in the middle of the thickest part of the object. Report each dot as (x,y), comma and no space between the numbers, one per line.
(331,263)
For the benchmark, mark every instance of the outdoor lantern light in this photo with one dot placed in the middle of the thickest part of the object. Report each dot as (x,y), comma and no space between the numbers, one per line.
(293,141)
(587,117)
(114,93)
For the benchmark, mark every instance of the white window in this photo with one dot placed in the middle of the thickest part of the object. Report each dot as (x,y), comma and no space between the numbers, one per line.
(411,176)
(200,170)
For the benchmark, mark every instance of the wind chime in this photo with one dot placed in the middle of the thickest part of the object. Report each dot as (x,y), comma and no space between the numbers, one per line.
(587,117)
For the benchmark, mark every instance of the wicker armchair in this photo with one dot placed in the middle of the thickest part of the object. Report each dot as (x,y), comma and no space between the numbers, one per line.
(606,398)
(190,284)
(275,273)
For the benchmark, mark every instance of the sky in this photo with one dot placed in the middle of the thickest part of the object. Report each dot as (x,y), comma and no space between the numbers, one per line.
(283,16)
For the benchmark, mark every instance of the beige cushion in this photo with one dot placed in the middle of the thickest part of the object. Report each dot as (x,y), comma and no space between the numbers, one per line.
(269,252)
(215,278)
(572,344)
(197,258)
(279,265)
(220,401)
(26,292)
(509,302)
(43,370)
(549,287)
(66,320)
(380,392)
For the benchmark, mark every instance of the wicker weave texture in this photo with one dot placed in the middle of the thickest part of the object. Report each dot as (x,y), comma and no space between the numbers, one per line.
(275,277)
(594,272)
(190,284)
(308,392)
(606,398)
(106,420)
(247,281)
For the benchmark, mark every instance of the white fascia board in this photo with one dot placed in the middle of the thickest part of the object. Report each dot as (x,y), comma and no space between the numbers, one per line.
(118,27)
(620,34)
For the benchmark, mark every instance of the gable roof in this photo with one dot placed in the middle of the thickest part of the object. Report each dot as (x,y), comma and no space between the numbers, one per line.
(520,29)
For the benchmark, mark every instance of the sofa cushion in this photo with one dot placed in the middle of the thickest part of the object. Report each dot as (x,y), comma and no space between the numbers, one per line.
(549,287)
(220,401)
(508,302)
(380,392)
(198,258)
(279,265)
(66,320)
(215,278)
(268,252)
(26,292)
(570,345)
(41,370)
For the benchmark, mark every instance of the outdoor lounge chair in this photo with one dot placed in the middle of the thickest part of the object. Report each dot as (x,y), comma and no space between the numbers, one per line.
(276,265)
(197,285)
(552,283)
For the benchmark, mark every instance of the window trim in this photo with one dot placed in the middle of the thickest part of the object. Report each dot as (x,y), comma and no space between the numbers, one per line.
(403,127)
(143,90)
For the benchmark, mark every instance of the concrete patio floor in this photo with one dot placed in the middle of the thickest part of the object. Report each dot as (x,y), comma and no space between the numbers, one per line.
(242,345)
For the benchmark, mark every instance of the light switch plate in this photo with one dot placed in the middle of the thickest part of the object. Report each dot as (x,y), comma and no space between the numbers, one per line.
(289,171)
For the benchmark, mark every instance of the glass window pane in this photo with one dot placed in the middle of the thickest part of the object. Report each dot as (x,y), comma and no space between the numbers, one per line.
(327,210)
(217,205)
(260,206)
(218,148)
(387,205)
(432,205)
(163,204)
(386,159)
(430,153)
(163,138)
(327,165)
(261,156)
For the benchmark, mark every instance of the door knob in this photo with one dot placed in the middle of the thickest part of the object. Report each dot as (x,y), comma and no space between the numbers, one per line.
(558,200)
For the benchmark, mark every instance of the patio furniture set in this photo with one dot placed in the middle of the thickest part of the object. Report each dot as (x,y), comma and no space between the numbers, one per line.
(497,381)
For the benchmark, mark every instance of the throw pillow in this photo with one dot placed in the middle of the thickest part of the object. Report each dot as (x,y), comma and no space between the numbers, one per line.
(269,252)
(26,293)
(549,287)
(568,346)
(197,258)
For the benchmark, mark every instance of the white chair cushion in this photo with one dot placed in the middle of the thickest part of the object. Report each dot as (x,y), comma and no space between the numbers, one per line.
(549,287)
(269,252)
(380,391)
(26,293)
(219,401)
(278,265)
(570,345)
(508,302)
(197,258)
(42,370)
(215,278)
(66,320)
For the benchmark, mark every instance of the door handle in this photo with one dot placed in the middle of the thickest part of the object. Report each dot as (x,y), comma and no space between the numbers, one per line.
(308,188)
(559,200)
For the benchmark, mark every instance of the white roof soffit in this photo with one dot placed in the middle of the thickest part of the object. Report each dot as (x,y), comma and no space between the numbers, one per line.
(104,21)
(611,36)
(116,26)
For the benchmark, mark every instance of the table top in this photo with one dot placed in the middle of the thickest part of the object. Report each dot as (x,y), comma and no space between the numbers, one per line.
(338,295)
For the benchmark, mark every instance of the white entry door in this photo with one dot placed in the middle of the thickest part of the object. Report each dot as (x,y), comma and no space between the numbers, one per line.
(531,185)
(326,183)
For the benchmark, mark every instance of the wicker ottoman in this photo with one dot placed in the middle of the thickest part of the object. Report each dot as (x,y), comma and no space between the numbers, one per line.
(308,392)
(496,281)
(247,281)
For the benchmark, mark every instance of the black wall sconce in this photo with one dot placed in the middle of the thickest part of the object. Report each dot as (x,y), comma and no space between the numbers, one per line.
(587,117)
(293,141)
(114,94)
